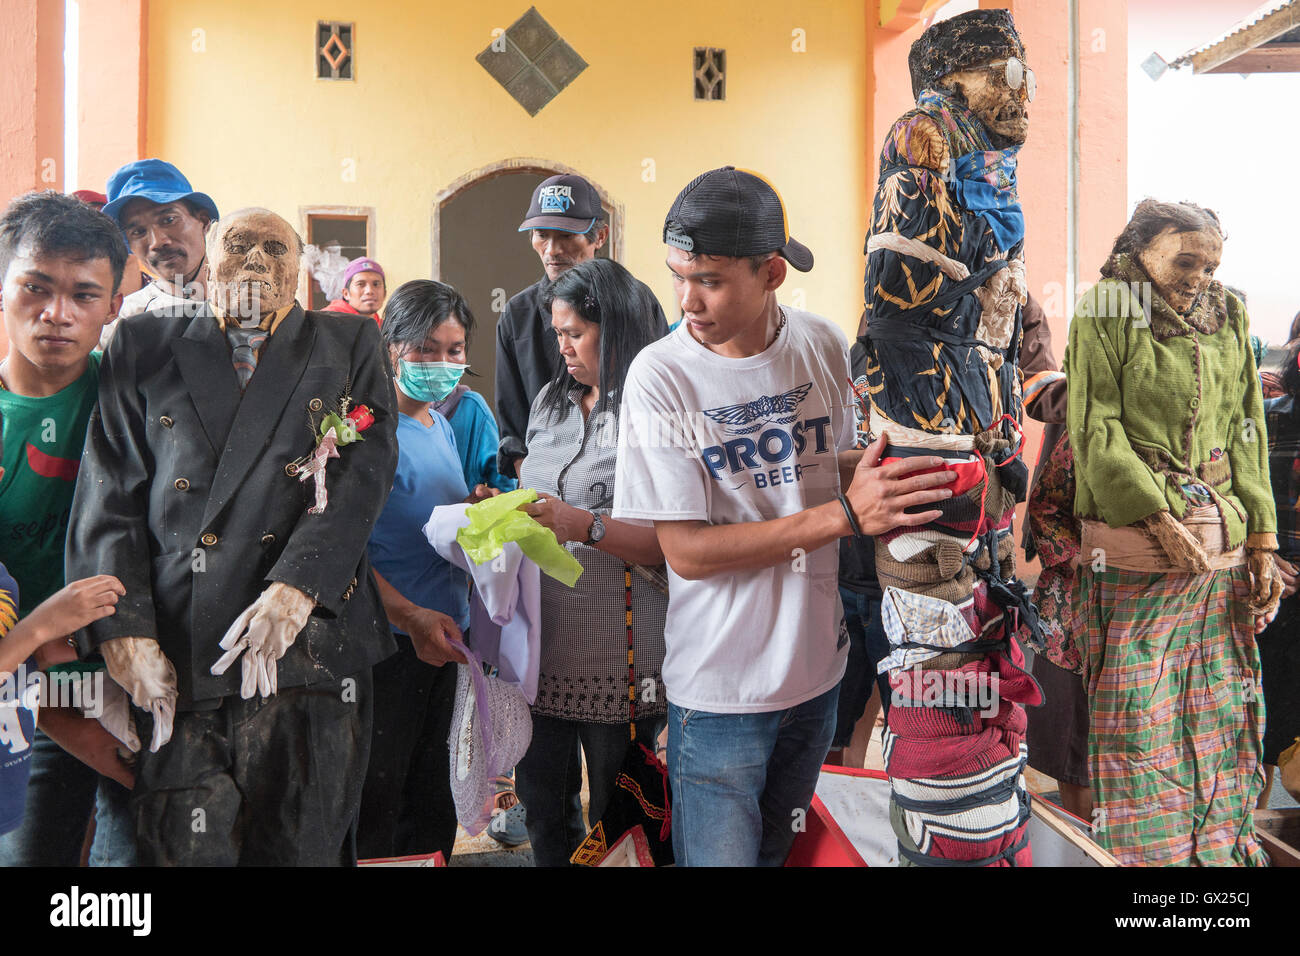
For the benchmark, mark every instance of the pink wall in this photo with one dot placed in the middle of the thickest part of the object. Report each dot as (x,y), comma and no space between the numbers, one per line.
(31,97)
(111,89)
(31,102)
(1102,133)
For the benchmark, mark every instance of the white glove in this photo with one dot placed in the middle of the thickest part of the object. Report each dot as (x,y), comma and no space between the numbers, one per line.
(115,716)
(266,630)
(139,666)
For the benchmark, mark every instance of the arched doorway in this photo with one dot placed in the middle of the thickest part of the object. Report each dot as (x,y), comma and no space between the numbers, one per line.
(478,249)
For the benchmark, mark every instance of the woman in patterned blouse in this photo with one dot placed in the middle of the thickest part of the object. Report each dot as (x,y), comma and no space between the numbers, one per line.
(602,318)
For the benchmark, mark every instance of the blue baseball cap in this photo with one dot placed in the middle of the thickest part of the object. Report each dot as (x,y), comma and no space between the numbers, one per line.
(155,180)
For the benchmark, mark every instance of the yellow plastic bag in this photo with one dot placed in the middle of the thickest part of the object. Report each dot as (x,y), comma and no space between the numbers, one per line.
(494,521)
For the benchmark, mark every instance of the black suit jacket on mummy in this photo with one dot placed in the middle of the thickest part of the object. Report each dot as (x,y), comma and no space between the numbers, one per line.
(183,493)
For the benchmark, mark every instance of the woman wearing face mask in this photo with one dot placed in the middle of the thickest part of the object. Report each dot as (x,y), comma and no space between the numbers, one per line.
(406,804)
(439,365)
(602,318)
(1178,532)
(431,371)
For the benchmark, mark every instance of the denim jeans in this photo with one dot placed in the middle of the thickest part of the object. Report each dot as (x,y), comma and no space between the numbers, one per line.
(868,646)
(60,795)
(548,780)
(742,782)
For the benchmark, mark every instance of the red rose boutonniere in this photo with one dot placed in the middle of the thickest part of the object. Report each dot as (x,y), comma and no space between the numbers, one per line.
(337,429)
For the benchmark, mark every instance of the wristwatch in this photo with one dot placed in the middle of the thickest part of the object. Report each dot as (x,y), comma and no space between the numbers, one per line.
(597,530)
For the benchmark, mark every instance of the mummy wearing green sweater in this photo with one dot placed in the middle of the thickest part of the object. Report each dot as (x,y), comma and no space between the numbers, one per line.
(1167,424)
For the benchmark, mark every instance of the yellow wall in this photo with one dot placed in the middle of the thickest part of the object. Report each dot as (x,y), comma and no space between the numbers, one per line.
(248,122)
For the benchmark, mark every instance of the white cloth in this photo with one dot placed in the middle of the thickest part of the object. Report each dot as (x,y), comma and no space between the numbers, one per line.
(491,728)
(911,618)
(724,440)
(151,298)
(506,607)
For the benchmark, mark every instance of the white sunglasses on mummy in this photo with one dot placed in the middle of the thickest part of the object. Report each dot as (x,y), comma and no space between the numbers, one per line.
(1017,74)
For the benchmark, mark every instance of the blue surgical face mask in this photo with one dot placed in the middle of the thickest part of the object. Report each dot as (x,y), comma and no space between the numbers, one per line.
(428,381)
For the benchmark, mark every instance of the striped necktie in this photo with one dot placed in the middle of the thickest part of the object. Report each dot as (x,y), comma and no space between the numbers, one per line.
(245,344)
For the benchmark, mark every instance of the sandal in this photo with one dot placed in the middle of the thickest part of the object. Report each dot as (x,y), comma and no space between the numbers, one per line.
(508,826)
(505,793)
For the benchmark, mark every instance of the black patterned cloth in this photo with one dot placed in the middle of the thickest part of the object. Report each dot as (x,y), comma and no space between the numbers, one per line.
(926,369)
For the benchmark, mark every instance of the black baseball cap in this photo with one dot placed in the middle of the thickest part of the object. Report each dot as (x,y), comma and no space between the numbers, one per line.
(733,212)
(565,202)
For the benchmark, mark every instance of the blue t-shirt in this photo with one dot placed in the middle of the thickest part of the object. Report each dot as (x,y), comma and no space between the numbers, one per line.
(18,702)
(428,475)
(477,441)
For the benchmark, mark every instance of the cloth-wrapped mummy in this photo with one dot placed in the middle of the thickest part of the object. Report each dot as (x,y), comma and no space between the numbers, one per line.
(945,281)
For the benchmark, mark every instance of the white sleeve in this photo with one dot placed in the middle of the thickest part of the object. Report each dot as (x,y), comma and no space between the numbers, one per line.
(658,474)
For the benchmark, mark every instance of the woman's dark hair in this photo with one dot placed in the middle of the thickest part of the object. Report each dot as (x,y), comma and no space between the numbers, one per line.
(603,292)
(417,308)
(1152,217)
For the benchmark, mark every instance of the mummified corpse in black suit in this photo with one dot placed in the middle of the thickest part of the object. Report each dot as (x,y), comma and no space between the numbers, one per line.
(185,494)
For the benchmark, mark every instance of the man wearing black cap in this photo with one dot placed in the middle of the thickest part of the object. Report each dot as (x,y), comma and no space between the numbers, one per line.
(734,438)
(568,227)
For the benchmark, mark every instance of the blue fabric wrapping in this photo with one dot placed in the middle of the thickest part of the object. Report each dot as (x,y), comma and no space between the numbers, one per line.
(998,204)
(984,180)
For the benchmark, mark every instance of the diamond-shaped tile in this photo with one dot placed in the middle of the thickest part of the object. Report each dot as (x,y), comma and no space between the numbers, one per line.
(531,33)
(334,51)
(532,61)
(561,64)
(503,64)
(531,90)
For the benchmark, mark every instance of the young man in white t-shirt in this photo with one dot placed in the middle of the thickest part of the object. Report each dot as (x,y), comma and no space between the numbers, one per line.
(734,441)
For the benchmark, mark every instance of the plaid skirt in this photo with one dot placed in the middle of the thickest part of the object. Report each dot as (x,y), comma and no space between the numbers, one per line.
(1176,716)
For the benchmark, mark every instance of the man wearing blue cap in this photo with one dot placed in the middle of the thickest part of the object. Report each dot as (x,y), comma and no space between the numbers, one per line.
(164,221)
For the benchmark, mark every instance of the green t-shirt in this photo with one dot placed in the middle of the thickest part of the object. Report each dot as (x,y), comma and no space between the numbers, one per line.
(43,441)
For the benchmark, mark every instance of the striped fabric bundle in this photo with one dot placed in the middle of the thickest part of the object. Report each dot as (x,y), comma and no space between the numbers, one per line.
(958,793)
(955,739)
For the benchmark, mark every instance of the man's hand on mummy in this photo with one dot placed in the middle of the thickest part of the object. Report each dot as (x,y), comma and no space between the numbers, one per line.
(880,494)
(265,630)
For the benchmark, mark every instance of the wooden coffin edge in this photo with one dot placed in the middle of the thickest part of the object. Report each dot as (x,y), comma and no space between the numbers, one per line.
(1055,817)
(1271,827)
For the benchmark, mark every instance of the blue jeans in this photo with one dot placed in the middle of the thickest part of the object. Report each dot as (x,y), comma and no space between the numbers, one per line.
(548,780)
(742,782)
(60,795)
(868,646)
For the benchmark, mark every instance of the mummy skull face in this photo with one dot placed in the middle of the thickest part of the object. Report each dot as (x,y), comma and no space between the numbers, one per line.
(1003,111)
(253,261)
(1181,264)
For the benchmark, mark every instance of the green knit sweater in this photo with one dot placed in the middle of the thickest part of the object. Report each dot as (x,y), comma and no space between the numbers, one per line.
(1157,401)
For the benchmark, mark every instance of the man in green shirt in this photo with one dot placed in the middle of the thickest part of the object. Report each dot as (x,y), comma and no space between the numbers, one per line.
(61,263)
